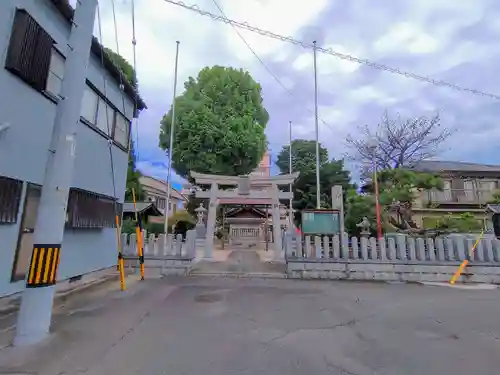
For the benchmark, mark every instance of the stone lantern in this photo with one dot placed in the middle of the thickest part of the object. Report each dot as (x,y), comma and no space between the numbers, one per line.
(365,227)
(200,221)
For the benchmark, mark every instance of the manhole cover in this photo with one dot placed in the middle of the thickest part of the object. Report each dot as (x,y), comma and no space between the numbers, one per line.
(208,298)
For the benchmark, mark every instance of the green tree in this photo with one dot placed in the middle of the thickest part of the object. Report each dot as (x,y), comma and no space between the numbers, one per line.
(133,175)
(332,173)
(463,223)
(357,206)
(496,198)
(303,156)
(219,124)
(398,189)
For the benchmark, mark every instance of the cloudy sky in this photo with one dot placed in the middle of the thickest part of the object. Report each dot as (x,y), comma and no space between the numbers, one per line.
(452,41)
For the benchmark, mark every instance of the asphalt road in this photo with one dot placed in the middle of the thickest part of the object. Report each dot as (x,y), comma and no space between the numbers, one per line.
(209,326)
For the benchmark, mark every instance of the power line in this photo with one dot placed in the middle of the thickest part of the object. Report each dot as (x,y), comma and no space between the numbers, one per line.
(262,62)
(329,51)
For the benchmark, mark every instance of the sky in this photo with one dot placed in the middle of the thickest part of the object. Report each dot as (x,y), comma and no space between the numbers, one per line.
(452,41)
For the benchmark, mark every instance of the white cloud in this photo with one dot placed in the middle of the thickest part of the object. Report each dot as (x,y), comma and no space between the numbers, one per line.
(406,36)
(425,28)
(327,65)
(281,17)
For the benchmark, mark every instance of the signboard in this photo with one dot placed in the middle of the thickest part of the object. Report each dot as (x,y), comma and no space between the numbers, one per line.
(320,222)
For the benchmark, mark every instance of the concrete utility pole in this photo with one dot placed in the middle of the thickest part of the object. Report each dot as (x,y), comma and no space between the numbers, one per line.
(171,142)
(316,127)
(35,313)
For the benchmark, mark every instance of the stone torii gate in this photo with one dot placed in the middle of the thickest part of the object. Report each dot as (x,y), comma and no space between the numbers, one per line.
(248,188)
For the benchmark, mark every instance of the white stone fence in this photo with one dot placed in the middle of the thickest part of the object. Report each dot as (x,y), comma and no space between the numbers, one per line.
(395,258)
(167,253)
(161,246)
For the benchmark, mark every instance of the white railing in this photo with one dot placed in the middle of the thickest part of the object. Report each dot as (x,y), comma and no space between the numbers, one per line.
(453,248)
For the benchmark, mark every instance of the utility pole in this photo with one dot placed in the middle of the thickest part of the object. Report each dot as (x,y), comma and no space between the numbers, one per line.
(35,314)
(373,148)
(171,143)
(290,171)
(316,128)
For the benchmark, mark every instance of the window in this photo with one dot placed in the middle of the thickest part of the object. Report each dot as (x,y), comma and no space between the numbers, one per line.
(29,52)
(89,105)
(56,73)
(10,197)
(160,202)
(121,130)
(93,111)
(105,122)
(91,210)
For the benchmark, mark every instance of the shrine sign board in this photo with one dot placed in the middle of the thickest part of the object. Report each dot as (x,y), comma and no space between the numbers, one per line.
(320,222)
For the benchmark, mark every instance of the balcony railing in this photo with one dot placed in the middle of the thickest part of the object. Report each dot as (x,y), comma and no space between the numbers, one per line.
(470,196)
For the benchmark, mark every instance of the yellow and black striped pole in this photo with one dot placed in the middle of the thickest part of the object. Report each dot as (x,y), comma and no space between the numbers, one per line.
(43,266)
(121,268)
(138,231)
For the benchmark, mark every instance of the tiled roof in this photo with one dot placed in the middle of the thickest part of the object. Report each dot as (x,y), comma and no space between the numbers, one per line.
(454,166)
(128,207)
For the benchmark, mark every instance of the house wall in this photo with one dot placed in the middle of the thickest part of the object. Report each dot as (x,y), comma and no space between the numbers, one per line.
(156,192)
(24,150)
(462,190)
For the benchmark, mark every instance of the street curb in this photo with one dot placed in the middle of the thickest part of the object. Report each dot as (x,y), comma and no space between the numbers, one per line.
(482,286)
(13,305)
(239,275)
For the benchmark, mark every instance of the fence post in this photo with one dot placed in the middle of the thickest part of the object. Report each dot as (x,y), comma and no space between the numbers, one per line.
(412,254)
(344,247)
(317,246)
(401,252)
(355,247)
(383,248)
(364,248)
(392,248)
(326,246)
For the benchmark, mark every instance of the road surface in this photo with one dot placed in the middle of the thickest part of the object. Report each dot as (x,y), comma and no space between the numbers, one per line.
(216,326)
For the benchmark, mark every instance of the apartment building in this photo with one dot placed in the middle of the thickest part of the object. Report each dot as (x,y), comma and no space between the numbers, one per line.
(34,41)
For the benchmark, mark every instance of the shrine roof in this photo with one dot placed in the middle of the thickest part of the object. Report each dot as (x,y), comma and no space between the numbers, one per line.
(247,201)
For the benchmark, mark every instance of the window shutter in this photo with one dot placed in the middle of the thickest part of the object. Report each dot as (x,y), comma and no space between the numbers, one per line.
(41,63)
(10,198)
(29,51)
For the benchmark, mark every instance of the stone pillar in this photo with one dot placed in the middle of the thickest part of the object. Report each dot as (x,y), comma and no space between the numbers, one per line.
(278,251)
(338,204)
(212,212)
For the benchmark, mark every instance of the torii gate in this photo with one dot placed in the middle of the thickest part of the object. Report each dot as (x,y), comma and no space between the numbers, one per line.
(267,190)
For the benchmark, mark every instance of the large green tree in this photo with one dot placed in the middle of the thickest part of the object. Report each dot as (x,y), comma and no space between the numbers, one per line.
(219,124)
(332,173)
